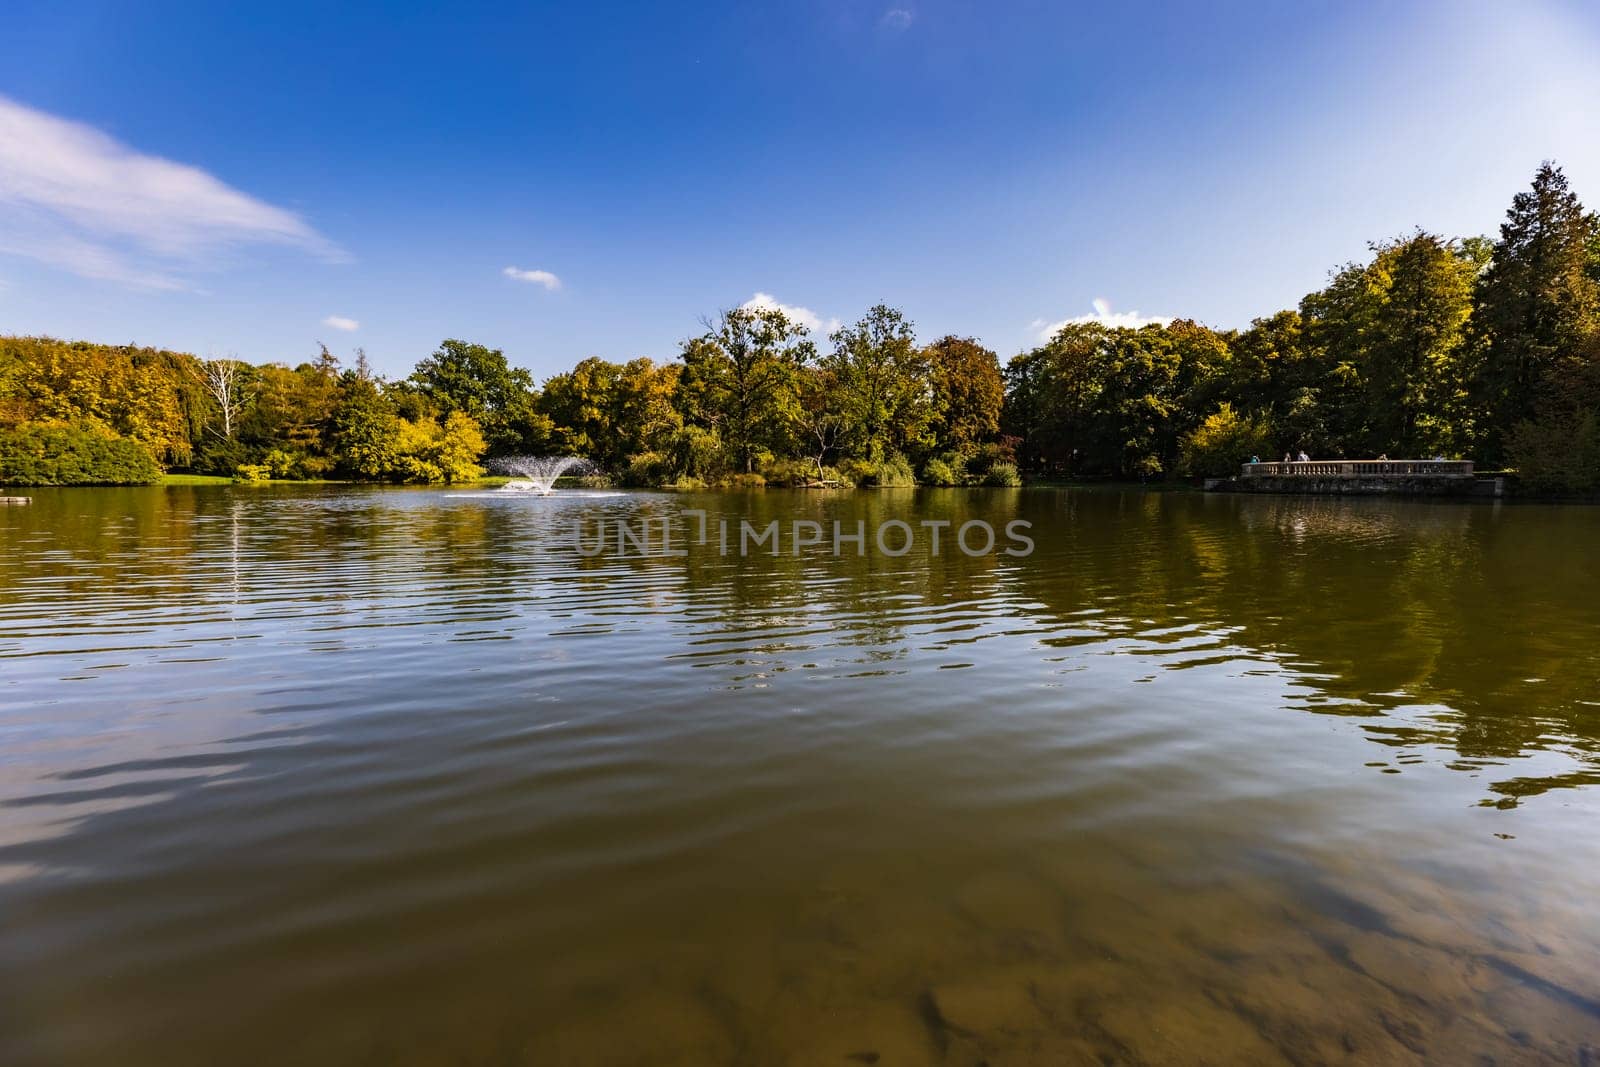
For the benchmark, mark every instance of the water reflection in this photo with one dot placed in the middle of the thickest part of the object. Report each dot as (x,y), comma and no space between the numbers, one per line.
(400,776)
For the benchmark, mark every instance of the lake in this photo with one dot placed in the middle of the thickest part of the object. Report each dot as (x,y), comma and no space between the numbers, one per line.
(329,775)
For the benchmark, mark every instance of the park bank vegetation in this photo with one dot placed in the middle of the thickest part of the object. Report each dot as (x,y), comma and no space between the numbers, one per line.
(1475,347)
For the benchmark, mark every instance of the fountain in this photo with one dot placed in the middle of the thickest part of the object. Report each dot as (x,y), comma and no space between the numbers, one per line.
(538,474)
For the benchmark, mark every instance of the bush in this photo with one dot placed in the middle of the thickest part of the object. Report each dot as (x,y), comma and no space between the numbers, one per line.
(1557,454)
(42,453)
(937,472)
(429,451)
(253,472)
(1004,475)
(989,455)
(749,480)
(221,455)
(280,464)
(1225,440)
(789,472)
(697,454)
(647,469)
(858,471)
(894,472)
(957,468)
(313,467)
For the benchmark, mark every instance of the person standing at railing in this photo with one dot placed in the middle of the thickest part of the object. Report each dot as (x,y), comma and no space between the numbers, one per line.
(1303,457)
(1287,458)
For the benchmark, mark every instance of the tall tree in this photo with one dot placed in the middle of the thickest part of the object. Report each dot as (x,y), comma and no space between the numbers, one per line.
(819,416)
(968,392)
(646,413)
(364,425)
(1537,300)
(582,407)
(741,378)
(1391,335)
(477,381)
(884,383)
(227,380)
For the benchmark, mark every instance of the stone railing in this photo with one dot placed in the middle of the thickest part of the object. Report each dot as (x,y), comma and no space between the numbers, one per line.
(1364,468)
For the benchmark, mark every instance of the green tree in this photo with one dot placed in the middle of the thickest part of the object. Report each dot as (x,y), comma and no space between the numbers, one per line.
(741,378)
(646,406)
(478,381)
(968,392)
(1390,335)
(1537,300)
(581,405)
(1053,393)
(884,384)
(364,425)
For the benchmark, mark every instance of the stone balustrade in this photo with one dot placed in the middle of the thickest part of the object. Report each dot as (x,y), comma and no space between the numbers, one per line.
(1364,468)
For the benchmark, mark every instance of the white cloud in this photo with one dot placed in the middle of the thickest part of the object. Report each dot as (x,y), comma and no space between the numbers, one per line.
(534,277)
(802,315)
(1103,315)
(898,18)
(72,197)
(339,322)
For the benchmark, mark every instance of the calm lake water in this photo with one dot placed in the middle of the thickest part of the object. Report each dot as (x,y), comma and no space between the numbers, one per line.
(329,776)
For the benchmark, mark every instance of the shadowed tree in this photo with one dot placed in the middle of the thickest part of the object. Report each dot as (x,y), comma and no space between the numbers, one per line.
(1537,300)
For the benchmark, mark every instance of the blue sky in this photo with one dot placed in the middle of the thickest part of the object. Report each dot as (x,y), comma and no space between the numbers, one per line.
(200,177)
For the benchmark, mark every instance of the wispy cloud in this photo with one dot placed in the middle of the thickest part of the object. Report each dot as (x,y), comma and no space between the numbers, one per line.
(339,322)
(794,313)
(898,18)
(74,198)
(1103,315)
(533,277)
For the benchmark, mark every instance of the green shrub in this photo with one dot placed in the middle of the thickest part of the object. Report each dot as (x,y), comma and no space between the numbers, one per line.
(1004,475)
(253,472)
(222,456)
(697,453)
(789,472)
(937,472)
(1558,454)
(281,464)
(314,467)
(41,453)
(956,467)
(893,472)
(748,480)
(647,469)
(1219,445)
(858,471)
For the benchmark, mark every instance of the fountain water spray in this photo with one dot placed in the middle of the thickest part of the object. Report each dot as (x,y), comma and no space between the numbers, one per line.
(538,474)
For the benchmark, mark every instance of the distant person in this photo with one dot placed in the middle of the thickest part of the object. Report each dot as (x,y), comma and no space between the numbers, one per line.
(1383,457)
(1303,457)
(1254,460)
(1287,458)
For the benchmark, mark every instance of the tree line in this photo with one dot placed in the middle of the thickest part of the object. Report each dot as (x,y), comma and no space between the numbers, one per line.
(1487,348)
